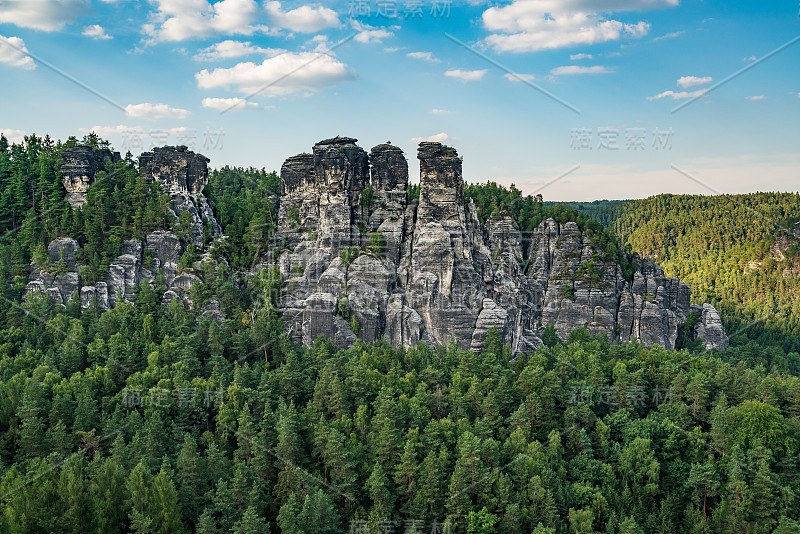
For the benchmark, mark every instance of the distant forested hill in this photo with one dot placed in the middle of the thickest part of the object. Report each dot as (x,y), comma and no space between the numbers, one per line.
(735,251)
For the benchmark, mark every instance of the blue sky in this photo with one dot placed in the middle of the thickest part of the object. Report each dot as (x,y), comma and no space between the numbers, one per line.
(167,69)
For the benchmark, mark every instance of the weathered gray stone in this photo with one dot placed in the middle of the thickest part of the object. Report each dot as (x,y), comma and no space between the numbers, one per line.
(79,166)
(65,249)
(183,174)
(442,274)
(709,328)
(176,167)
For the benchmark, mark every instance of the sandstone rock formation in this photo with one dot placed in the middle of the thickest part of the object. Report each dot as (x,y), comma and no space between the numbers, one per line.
(79,166)
(177,168)
(359,259)
(183,174)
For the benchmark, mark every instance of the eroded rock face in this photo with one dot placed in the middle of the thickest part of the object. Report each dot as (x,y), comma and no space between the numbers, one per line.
(179,169)
(709,327)
(428,270)
(183,174)
(79,166)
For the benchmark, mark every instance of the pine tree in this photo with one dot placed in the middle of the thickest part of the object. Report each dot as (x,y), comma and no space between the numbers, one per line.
(251,522)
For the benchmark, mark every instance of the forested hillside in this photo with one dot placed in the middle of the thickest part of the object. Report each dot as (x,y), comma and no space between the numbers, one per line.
(739,252)
(156,419)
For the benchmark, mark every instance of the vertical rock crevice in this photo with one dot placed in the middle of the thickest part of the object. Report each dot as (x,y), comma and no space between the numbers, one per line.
(373,264)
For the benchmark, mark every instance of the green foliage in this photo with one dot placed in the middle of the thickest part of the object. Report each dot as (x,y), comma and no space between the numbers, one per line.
(365,199)
(349,254)
(734,251)
(567,292)
(377,244)
(481,522)
(755,422)
(550,336)
(274,438)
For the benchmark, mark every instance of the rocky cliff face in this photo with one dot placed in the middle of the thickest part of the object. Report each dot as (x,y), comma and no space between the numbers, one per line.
(79,166)
(183,174)
(360,259)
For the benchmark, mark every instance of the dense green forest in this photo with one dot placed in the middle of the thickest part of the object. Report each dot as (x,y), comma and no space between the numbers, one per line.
(737,252)
(153,419)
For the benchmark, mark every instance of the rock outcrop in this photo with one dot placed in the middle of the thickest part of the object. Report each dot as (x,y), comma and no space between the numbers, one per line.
(177,168)
(181,173)
(79,166)
(359,259)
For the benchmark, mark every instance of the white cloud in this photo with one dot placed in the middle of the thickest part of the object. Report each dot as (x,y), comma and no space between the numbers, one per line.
(155,111)
(670,35)
(178,20)
(533,25)
(229,49)
(466,75)
(369,34)
(576,69)
(44,15)
(13,136)
(284,74)
(232,104)
(749,58)
(304,19)
(516,77)
(137,132)
(576,57)
(438,138)
(680,95)
(424,56)
(798,95)
(13,52)
(756,97)
(436,111)
(689,81)
(393,49)
(95,31)
(107,131)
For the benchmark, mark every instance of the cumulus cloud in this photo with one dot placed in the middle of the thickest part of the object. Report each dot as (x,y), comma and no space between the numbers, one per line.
(757,97)
(576,69)
(14,52)
(232,104)
(229,49)
(44,15)
(280,75)
(749,58)
(155,111)
(576,57)
(533,25)
(680,95)
(369,34)
(466,75)
(438,138)
(13,136)
(304,19)
(690,81)
(517,77)
(424,56)
(95,31)
(178,20)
